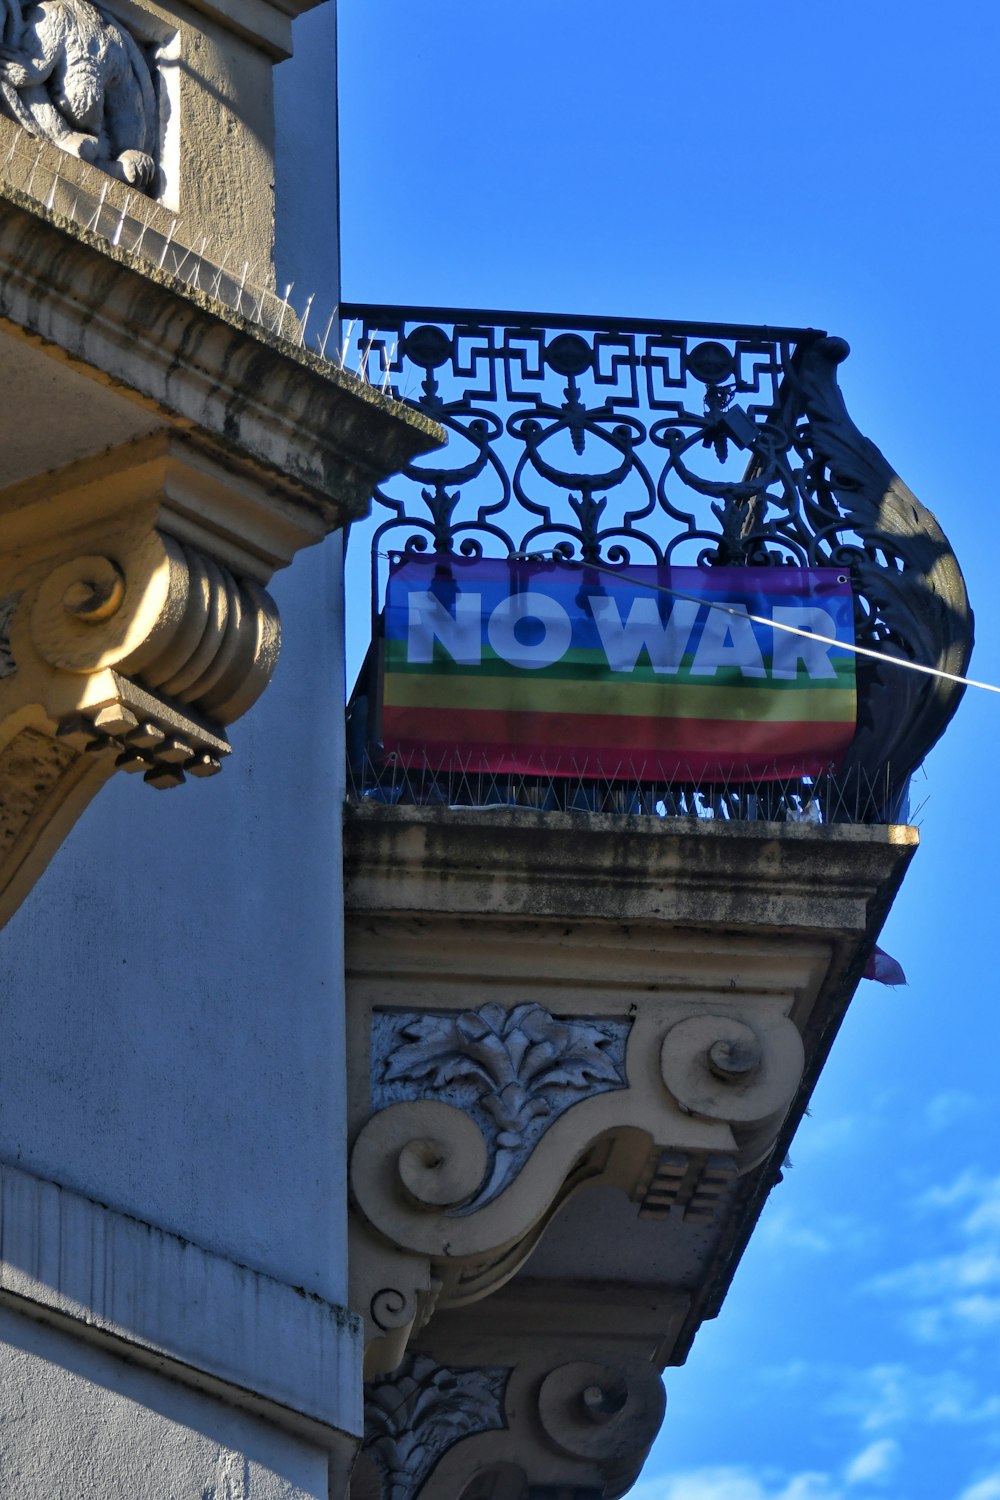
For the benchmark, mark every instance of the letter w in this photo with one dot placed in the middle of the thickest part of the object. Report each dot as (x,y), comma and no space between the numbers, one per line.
(460,634)
(623,643)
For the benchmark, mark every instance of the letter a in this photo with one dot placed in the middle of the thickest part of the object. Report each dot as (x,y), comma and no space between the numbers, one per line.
(728,641)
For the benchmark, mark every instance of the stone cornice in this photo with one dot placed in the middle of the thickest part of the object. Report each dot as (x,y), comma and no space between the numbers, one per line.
(511,861)
(318,430)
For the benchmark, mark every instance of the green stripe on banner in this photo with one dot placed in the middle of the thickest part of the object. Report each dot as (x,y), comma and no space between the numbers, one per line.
(592,667)
(630,700)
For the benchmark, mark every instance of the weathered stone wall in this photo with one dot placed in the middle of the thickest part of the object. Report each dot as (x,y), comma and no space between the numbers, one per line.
(76,1421)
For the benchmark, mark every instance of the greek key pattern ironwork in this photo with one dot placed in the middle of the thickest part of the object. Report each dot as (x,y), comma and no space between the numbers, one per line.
(628,441)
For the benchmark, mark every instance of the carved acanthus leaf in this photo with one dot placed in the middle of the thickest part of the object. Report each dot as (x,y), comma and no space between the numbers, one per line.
(415,1415)
(515,1070)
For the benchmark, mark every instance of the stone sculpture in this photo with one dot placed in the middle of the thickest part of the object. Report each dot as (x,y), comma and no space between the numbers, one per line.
(70,73)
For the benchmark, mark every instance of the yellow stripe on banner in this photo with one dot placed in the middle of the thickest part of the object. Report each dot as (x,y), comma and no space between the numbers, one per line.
(668,700)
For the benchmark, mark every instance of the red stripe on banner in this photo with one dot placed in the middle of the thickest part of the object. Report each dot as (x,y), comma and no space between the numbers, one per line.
(580,744)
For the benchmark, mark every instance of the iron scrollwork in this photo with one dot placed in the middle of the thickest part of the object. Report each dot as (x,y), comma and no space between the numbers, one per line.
(655,442)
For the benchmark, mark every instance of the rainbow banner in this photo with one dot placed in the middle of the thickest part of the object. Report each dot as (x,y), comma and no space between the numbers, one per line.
(630,672)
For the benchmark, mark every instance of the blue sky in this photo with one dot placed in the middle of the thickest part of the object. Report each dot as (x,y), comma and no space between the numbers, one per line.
(830,166)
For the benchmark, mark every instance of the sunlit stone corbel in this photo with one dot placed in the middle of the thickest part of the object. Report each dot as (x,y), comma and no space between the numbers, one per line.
(135,626)
(132,631)
(492,1119)
(162,458)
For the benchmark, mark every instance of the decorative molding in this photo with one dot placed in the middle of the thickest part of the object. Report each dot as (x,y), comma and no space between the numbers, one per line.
(599,1412)
(743,1072)
(418,1165)
(695,1186)
(514,1071)
(414,1416)
(158,1300)
(74,75)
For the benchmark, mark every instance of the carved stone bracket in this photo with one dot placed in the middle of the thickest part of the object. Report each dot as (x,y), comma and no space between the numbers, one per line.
(590,1040)
(122,647)
(486,1122)
(438,1431)
(162,460)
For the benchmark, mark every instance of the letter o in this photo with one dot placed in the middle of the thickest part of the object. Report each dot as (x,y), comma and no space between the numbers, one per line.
(557,630)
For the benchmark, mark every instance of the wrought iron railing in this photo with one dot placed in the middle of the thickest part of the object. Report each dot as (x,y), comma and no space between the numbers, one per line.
(623,440)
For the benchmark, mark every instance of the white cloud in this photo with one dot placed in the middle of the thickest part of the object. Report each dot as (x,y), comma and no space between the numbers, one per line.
(985,1217)
(984,1312)
(874,1463)
(733,1483)
(947,1108)
(970,1185)
(871,1466)
(779,1230)
(820,1234)
(817,1134)
(986,1489)
(890,1396)
(954,1295)
(972,1270)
